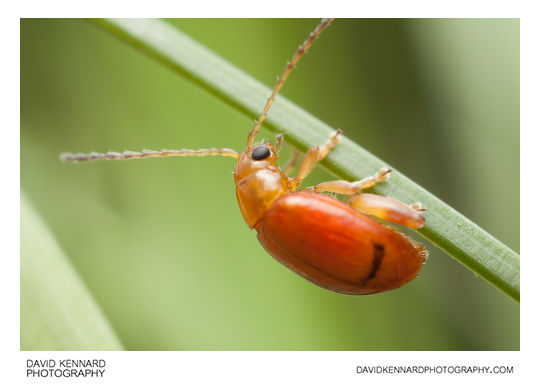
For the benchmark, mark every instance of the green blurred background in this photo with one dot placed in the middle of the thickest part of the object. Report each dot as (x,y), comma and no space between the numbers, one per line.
(161,244)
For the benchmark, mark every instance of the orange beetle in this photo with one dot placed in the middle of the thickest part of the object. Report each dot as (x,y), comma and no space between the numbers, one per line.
(330,243)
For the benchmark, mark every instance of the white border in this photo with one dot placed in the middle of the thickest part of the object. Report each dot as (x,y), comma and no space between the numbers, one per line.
(275,367)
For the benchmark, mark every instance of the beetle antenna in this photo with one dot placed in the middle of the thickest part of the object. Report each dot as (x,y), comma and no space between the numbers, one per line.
(288,68)
(128,155)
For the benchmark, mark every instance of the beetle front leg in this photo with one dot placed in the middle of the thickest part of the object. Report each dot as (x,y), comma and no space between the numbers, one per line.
(313,156)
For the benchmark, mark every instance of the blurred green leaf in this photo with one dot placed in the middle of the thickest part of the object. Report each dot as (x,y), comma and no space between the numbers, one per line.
(445,227)
(57,311)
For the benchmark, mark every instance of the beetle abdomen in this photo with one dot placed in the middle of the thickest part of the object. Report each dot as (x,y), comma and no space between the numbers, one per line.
(333,246)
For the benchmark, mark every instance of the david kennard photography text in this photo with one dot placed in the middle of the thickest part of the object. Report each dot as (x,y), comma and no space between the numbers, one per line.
(65,368)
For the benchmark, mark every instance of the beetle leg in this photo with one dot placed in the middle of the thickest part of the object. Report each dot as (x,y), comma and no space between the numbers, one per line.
(331,143)
(313,156)
(375,205)
(388,209)
(418,207)
(351,188)
(291,164)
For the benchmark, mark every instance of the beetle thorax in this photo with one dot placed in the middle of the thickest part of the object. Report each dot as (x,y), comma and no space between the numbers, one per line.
(259,182)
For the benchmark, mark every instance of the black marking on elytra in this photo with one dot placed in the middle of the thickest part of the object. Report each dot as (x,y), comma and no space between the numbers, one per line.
(378,254)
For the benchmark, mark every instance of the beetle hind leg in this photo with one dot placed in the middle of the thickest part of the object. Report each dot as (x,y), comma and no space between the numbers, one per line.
(388,209)
(418,207)
(381,207)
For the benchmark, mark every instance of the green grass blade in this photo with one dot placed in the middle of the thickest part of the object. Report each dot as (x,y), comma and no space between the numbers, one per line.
(57,311)
(445,227)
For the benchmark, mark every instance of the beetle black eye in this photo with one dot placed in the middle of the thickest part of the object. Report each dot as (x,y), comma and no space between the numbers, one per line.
(260,153)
